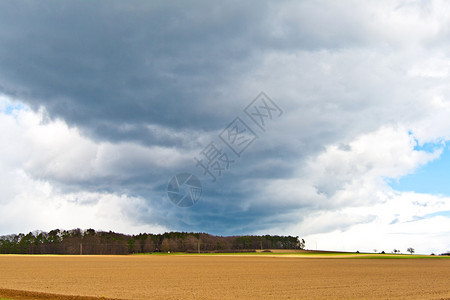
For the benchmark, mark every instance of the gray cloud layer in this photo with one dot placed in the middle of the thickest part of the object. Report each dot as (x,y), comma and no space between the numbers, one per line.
(172,75)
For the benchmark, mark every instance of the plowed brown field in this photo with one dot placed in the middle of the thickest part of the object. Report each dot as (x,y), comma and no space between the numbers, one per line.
(221,277)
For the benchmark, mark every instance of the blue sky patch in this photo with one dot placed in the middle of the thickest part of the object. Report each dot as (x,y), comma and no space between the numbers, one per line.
(445,213)
(10,107)
(433,178)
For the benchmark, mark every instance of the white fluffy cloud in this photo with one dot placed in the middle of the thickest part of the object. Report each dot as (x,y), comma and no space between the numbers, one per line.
(344,202)
(36,152)
(402,220)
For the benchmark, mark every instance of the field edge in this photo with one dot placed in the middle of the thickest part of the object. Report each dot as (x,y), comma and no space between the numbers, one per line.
(11,294)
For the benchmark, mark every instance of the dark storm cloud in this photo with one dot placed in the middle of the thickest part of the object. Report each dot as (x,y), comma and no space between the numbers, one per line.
(99,65)
(173,74)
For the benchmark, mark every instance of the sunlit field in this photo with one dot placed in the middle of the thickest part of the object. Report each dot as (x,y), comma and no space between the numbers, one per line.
(266,275)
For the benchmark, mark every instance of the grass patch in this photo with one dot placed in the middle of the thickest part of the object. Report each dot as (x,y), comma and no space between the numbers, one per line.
(161,253)
(400,256)
(319,254)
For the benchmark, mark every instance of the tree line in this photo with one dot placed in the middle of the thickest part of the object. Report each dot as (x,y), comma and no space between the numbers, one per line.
(77,241)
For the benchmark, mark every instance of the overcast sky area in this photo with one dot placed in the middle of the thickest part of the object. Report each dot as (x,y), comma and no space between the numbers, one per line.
(101,103)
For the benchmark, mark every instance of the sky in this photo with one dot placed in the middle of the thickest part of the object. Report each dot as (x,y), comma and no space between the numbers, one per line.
(328,120)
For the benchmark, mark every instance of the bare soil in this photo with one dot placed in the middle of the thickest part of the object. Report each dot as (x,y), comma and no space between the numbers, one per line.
(221,277)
